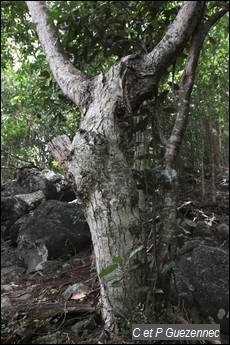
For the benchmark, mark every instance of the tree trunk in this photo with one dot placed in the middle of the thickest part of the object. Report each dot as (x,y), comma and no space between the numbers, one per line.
(100,171)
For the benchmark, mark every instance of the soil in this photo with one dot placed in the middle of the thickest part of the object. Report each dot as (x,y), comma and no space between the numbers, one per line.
(39,308)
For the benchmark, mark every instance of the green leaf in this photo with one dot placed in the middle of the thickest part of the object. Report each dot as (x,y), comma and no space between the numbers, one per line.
(168,266)
(53,16)
(117,260)
(117,283)
(107,270)
(159,291)
(142,288)
(134,267)
(106,280)
(187,283)
(55,163)
(136,250)
(44,74)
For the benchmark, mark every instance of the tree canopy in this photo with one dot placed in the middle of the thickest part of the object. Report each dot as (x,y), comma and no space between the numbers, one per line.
(95,34)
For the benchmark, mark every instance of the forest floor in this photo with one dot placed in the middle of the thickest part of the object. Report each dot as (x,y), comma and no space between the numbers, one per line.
(38,308)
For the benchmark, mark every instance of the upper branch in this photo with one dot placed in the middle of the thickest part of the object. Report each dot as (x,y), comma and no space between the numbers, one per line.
(215,17)
(72,82)
(174,39)
(147,69)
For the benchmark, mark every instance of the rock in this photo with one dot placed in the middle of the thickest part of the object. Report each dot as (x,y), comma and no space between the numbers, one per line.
(32,199)
(54,229)
(74,289)
(223,232)
(188,247)
(83,326)
(14,229)
(34,253)
(51,184)
(5,302)
(12,208)
(11,272)
(6,288)
(202,230)
(202,278)
(11,264)
(190,224)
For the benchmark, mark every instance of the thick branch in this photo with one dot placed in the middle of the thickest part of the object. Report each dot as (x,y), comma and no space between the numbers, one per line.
(72,82)
(174,39)
(144,71)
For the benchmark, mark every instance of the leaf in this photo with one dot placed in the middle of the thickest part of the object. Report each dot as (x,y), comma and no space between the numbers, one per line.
(159,291)
(142,288)
(53,16)
(136,250)
(79,296)
(107,270)
(117,283)
(168,266)
(187,283)
(117,260)
(134,267)
(107,280)
(44,74)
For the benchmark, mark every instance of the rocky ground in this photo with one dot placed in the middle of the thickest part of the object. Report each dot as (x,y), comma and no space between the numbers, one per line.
(60,304)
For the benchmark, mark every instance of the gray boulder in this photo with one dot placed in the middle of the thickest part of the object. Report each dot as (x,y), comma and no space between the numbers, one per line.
(52,184)
(54,229)
(202,230)
(223,232)
(11,263)
(32,199)
(202,279)
(12,208)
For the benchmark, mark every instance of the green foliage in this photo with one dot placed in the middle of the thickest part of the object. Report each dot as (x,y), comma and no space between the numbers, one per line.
(135,251)
(33,112)
(122,269)
(150,179)
(210,98)
(95,34)
(169,264)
